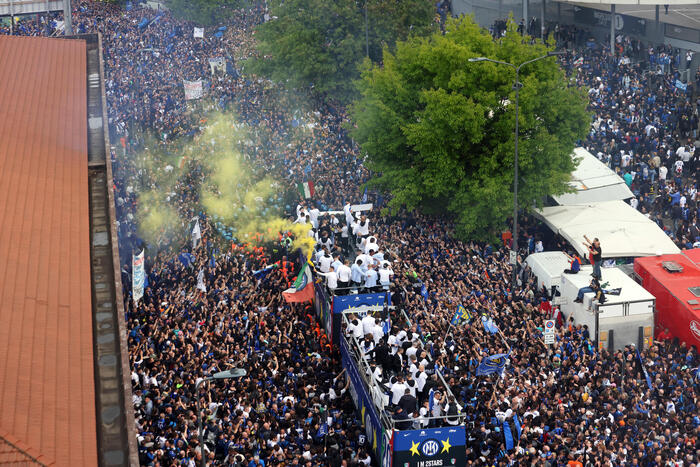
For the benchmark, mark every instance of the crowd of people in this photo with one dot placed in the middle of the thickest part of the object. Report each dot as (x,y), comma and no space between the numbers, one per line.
(645,127)
(204,312)
(645,120)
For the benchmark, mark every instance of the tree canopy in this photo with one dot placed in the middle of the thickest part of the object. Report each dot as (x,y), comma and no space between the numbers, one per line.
(319,44)
(439,130)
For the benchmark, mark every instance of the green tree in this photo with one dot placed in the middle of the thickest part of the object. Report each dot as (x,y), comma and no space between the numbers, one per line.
(319,44)
(438,130)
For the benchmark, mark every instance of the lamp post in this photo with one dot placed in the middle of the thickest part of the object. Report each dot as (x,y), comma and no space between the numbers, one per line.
(516,86)
(228,374)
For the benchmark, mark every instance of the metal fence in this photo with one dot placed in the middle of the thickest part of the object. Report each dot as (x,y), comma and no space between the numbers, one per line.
(378,393)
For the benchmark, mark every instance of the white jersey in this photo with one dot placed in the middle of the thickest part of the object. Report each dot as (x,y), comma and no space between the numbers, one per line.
(397,391)
(324,263)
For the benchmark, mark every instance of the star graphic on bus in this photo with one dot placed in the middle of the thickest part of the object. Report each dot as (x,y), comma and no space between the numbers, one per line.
(446,446)
(414,449)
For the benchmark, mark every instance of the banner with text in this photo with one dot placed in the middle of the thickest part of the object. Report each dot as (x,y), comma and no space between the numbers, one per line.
(343,303)
(432,447)
(366,408)
(193,89)
(138,276)
(217,64)
(322,306)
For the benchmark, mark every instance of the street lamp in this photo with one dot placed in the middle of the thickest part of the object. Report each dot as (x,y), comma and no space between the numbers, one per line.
(228,374)
(516,86)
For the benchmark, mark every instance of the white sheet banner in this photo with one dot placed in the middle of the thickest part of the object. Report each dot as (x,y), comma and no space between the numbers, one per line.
(193,89)
(138,276)
(199,32)
(196,234)
(200,281)
(217,64)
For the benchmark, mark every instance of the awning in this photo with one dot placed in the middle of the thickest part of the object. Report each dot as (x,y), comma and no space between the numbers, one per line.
(594,182)
(623,231)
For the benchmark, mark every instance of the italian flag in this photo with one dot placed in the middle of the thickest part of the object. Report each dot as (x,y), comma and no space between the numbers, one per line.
(306,189)
(303,288)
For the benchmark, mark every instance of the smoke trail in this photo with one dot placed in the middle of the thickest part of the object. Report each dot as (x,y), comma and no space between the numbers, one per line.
(211,174)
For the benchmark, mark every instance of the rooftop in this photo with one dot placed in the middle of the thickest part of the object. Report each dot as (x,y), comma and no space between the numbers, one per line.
(47,394)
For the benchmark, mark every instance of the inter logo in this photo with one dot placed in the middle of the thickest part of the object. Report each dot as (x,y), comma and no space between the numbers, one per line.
(430,447)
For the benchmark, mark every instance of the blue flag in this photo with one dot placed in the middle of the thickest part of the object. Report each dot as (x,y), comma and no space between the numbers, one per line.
(424,291)
(212,257)
(456,317)
(466,315)
(323,430)
(492,364)
(386,325)
(516,422)
(431,401)
(364,196)
(508,436)
(262,273)
(186,259)
(158,17)
(462,315)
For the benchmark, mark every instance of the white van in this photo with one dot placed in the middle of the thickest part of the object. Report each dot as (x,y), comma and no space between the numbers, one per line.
(548,267)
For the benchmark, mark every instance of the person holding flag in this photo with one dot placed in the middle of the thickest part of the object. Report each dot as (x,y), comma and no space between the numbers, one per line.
(303,288)
(488,323)
(286,267)
(461,316)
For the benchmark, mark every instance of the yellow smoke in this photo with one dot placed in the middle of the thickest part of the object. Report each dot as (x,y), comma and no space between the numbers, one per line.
(270,229)
(232,191)
(155,217)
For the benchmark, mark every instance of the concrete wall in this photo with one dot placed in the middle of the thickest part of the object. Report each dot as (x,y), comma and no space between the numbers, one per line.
(487,11)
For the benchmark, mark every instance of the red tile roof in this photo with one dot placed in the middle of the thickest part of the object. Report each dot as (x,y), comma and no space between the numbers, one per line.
(47,393)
